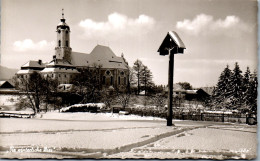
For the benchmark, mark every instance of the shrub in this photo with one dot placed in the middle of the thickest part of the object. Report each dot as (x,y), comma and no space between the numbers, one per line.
(89,107)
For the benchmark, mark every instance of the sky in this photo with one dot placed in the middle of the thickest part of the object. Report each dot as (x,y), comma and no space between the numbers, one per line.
(216,33)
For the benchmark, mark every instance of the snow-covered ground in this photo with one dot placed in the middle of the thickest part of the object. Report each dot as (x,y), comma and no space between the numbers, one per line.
(6,100)
(107,135)
(205,143)
(92,116)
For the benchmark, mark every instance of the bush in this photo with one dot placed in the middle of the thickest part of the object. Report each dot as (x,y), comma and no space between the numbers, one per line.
(89,107)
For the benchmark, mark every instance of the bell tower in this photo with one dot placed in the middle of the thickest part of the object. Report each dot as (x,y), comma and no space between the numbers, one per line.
(63,49)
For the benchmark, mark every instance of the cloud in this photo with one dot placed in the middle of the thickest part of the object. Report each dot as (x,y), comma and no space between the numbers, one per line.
(117,25)
(205,24)
(28,44)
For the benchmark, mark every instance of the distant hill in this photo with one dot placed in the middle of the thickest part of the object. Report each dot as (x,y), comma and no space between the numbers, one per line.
(7,73)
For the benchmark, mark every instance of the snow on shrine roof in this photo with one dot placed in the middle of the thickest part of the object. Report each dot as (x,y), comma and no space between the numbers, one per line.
(59,70)
(173,41)
(100,55)
(34,63)
(176,39)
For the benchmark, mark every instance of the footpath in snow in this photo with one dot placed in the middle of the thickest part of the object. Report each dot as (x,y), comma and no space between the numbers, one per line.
(107,135)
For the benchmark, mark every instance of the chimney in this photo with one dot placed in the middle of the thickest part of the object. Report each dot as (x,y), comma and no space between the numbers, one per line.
(54,58)
(40,61)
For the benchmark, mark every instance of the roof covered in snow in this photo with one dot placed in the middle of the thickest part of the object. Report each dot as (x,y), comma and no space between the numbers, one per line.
(100,55)
(34,64)
(59,62)
(191,91)
(58,70)
(171,42)
(6,84)
(25,71)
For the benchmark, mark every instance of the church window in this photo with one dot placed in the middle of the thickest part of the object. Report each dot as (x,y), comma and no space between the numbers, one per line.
(67,31)
(111,80)
(122,73)
(118,80)
(65,75)
(108,72)
(59,31)
(67,43)
(104,80)
(59,42)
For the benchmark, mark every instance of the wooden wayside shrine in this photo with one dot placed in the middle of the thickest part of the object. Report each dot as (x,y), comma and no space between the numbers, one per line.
(172,44)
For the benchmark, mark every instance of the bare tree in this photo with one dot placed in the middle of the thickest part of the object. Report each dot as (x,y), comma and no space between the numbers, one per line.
(88,84)
(35,89)
(108,96)
(138,66)
(123,98)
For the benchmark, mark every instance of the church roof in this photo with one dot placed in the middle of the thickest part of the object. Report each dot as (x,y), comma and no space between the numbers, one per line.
(100,55)
(59,62)
(34,64)
(25,71)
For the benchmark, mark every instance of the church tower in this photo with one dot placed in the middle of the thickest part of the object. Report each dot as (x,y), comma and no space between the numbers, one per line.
(63,49)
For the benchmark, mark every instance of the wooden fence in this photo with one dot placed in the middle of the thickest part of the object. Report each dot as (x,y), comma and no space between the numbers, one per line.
(15,115)
(235,118)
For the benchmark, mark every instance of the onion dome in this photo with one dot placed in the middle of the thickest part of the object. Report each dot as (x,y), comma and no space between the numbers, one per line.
(62,24)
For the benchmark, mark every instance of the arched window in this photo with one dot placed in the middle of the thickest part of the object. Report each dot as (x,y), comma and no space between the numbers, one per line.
(59,42)
(111,80)
(124,80)
(67,43)
(118,80)
(108,72)
(104,80)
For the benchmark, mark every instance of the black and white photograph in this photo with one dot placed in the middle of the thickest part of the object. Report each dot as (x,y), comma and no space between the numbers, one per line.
(129,79)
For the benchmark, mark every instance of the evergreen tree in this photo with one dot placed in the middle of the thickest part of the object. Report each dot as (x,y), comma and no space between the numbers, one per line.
(223,90)
(246,88)
(253,92)
(185,85)
(236,85)
(146,78)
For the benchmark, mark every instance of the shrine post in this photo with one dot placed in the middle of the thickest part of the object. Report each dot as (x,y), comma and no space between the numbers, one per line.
(172,44)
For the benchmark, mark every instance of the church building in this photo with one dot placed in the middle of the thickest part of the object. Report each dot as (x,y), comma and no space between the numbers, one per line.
(66,63)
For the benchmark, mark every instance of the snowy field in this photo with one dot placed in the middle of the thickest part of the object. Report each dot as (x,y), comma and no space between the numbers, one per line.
(90,135)
(7,100)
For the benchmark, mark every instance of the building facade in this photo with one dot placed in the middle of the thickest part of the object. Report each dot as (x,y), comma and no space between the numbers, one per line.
(66,63)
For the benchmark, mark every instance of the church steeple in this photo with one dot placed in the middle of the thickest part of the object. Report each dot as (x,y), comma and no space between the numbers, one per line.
(62,49)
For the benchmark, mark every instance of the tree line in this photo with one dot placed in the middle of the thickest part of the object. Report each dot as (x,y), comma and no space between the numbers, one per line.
(236,91)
